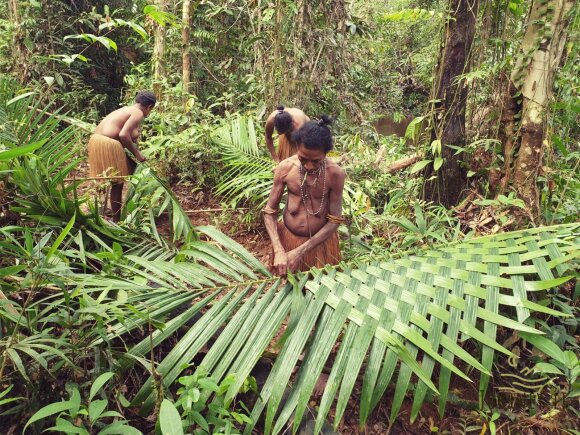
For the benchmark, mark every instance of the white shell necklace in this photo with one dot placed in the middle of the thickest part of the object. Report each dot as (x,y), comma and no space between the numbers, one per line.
(305,193)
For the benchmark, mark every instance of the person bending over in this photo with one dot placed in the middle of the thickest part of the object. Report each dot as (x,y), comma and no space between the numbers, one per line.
(306,236)
(118,131)
(285,121)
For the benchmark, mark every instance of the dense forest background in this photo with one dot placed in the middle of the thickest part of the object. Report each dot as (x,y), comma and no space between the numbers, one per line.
(455,119)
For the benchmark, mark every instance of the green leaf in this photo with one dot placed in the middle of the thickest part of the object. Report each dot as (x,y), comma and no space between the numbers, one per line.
(96,408)
(437,164)
(200,420)
(60,238)
(21,150)
(119,427)
(546,346)
(20,97)
(420,165)
(169,419)
(99,383)
(65,426)
(547,368)
(48,410)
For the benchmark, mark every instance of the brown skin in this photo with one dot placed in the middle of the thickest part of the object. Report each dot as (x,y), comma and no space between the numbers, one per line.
(123,125)
(299,118)
(296,219)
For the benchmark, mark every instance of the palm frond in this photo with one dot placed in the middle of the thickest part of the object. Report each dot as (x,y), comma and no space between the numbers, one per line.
(248,171)
(404,319)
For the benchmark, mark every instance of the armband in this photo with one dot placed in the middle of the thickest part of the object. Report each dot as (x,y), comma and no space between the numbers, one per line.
(269,210)
(335,219)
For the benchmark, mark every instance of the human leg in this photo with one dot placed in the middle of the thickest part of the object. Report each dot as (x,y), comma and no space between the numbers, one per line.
(116,200)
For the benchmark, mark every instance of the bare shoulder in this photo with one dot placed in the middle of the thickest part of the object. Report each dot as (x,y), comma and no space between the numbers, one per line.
(297,114)
(135,112)
(271,116)
(285,167)
(335,171)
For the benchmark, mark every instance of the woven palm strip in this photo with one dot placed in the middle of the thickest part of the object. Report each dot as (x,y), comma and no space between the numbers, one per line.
(424,302)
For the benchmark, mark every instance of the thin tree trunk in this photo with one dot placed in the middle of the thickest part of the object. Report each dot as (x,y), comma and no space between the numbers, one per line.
(185,39)
(17,40)
(451,95)
(542,49)
(507,133)
(159,52)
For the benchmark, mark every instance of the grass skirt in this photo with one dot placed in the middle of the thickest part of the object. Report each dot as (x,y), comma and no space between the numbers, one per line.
(107,158)
(285,148)
(328,252)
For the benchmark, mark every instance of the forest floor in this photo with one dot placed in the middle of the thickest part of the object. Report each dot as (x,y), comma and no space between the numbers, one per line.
(524,409)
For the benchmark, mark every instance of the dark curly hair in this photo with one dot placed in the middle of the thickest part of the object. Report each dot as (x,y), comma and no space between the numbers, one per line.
(282,121)
(146,98)
(315,135)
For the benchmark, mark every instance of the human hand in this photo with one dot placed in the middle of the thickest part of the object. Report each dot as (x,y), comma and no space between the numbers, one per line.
(294,260)
(280,263)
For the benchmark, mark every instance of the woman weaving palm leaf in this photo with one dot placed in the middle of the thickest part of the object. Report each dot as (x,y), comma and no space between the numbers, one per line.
(306,236)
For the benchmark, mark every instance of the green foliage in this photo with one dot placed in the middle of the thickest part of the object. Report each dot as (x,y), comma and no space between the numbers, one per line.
(435,226)
(205,418)
(84,417)
(248,172)
(562,363)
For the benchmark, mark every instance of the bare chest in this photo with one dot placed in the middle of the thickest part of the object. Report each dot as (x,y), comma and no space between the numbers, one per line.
(313,187)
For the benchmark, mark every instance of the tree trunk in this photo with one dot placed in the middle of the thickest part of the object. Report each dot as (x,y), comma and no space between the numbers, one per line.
(542,49)
(507,133)
(17,41)
(159,52)
(451,96)
(185,53)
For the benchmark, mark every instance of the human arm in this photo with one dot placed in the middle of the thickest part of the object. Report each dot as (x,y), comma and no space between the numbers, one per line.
(125,137)
(279,265)
(269,140)
(334,209)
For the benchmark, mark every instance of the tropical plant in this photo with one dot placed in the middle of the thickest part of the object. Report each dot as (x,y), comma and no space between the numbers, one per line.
(562,363)
(83,418)
(217,418)
(430,227)
(248,170)
(393,310)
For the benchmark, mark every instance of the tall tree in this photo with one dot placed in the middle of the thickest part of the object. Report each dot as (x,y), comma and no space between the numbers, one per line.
(159,51)
(17,40)
(451,97)
(533,75)
(185,39)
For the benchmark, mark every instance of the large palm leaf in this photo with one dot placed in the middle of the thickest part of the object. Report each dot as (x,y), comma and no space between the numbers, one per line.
(405,319)
(248,171)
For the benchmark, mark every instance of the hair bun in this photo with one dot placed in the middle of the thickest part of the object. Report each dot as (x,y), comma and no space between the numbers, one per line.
(325,120)
(280,107)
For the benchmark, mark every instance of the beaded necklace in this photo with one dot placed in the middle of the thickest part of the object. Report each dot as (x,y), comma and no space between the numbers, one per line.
(305,193)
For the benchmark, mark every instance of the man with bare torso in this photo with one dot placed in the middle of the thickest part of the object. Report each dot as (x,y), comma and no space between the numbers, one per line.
(306,236)
(118,131)
(285,121)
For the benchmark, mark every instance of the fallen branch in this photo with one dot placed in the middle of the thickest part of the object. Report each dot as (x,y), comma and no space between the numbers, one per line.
(379,157)
(402,164)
